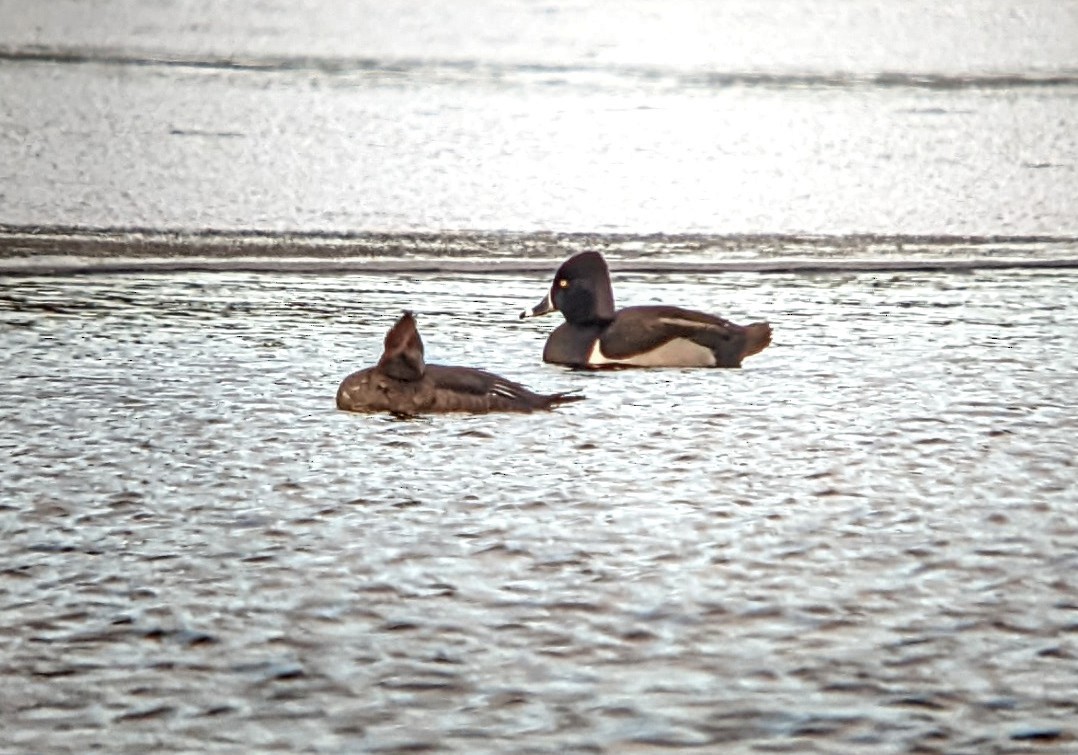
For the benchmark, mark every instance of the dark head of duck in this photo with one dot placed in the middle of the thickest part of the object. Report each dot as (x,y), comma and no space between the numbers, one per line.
(402,357)
(582,291)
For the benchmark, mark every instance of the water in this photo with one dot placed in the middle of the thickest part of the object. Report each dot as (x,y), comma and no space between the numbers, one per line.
(863,541)
(834,118)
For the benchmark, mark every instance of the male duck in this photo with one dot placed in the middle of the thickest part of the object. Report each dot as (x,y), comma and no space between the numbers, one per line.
(595,335)
(402,383)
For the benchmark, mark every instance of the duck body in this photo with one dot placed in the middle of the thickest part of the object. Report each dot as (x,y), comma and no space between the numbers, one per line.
(403,383)
(654,336)
(595,335)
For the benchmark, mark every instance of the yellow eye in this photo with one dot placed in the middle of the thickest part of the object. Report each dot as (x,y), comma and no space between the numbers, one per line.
(563,283)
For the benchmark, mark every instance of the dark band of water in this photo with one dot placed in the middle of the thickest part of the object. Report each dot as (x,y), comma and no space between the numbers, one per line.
(70,250)
(501,72)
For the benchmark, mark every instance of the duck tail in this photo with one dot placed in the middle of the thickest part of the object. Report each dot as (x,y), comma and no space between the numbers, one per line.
(757,338)
(557,399)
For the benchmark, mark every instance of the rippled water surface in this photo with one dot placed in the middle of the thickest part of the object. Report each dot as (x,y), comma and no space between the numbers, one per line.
(866,540)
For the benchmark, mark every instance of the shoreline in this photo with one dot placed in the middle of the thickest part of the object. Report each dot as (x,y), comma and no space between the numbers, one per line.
(71,250)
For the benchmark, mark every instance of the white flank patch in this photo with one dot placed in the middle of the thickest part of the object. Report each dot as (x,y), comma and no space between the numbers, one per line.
(679,352)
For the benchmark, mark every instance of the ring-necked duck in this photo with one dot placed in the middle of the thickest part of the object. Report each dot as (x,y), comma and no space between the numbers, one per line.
(596,335)
(404,384)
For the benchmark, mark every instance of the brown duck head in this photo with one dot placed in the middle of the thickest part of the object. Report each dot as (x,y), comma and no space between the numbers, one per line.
(402,357)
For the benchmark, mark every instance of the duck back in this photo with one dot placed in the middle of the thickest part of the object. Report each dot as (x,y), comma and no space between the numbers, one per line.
(465,389)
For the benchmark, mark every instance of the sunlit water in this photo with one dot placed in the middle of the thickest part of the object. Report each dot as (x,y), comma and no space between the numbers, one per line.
(878,116)
(865,540)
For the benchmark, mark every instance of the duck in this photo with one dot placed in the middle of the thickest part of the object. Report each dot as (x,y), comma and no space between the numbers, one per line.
(595,335)
(402,383)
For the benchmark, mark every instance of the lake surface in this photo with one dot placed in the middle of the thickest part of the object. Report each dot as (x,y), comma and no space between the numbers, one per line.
(864,541)
(804,117)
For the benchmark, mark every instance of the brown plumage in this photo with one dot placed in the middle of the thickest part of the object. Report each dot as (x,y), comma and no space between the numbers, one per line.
(403,383)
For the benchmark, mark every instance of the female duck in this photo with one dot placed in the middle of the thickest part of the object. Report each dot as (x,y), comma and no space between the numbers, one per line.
(404,384)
